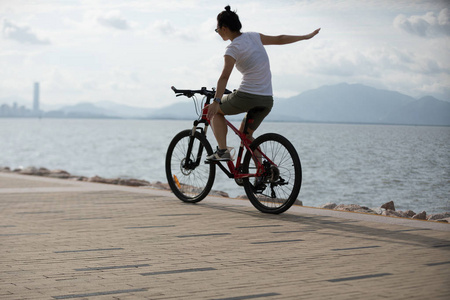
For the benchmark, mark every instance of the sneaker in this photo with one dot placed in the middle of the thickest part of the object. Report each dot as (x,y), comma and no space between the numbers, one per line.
(219,155)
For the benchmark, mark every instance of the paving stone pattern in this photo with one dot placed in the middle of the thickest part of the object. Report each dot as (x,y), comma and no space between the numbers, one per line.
(134,244)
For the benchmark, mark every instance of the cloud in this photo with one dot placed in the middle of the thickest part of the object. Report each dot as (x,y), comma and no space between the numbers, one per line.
(22,34)
(166,28)
(375,62)
(114,20)
(428,25)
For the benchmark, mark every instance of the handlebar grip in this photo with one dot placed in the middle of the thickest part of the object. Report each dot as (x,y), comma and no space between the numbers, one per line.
(202,91)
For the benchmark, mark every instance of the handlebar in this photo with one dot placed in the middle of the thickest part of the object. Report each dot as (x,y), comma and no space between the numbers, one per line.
(202,91)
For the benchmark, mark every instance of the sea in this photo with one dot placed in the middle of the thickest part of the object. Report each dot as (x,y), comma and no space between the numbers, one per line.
(367,165)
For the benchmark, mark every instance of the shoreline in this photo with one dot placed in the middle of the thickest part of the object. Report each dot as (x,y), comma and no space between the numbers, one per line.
(387,209)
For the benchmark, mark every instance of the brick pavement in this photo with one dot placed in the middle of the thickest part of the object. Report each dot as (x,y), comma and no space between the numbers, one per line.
(72,240)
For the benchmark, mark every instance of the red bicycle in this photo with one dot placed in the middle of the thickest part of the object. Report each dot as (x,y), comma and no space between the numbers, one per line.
(270,170)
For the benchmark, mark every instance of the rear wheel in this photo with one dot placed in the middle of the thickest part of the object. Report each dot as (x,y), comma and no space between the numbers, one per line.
(189,177)
(277,185)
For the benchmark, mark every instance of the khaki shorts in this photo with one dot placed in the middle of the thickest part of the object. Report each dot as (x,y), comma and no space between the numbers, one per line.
(240,102)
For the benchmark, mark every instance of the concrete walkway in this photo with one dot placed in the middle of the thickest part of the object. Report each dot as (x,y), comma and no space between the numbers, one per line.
(62,239)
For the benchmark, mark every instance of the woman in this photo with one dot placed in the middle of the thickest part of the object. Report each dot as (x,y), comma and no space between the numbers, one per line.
(247,52)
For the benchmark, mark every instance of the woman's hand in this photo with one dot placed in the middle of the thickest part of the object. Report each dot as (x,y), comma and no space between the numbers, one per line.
(213,108)
(313,34)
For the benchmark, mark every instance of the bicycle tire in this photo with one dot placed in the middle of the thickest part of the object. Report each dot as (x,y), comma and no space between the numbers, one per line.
(279,185)
(189,184)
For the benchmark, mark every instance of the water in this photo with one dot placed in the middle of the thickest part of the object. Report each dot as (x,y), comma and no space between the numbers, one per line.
(361,164)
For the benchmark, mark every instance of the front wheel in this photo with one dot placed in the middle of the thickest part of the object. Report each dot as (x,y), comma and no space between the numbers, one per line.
(277,184)
(189,177)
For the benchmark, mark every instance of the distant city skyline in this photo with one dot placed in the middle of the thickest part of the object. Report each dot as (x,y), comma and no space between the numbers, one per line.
(132,52)
(16,110)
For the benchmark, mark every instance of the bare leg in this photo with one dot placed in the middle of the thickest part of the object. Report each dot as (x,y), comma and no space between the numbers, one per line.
(258,154)
(250,131)
(220,129)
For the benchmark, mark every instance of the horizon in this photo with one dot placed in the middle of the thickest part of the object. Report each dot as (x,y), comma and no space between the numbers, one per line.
(29,103)
(132,53)
(341,103)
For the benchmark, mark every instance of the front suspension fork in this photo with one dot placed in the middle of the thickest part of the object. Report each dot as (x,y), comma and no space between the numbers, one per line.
(188,163)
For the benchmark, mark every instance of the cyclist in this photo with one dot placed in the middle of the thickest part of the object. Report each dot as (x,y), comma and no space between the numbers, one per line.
(247,52)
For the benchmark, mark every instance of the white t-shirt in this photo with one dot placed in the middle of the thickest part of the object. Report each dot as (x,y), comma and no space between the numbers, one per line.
(252,61)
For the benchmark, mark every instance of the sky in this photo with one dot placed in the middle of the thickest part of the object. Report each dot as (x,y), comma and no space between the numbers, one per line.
(131,52)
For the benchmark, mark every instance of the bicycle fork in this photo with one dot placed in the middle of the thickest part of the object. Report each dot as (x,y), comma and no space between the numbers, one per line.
(188,163)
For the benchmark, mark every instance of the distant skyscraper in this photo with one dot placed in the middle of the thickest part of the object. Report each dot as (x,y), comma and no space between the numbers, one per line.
(36,98)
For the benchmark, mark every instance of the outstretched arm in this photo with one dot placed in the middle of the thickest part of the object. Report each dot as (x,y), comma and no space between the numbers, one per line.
(286,39)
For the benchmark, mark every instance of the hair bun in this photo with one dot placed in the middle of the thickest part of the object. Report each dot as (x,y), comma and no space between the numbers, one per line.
(228,8)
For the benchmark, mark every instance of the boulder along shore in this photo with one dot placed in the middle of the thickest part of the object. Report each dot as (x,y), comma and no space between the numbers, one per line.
(387,209)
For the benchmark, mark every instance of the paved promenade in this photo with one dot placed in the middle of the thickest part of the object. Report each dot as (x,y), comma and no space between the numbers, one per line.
(62,239)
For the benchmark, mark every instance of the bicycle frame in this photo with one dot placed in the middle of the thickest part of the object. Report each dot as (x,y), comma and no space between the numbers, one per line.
(233,170)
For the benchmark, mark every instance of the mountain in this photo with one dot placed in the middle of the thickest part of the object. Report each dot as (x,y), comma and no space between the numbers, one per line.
(341,103)
(104,109)
(356,103)
(425,111)
(86,110)
(183,110)
(349,103)
(124,111)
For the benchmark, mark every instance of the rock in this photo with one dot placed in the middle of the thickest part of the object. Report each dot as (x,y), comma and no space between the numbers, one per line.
(434,217)
(43,172)
(389,205)
(446,220)
(219,193)
(99,179)
(354,208)
(159,185)
(329,205)
(79,178)
(5,169)
(420,216)
(29,171)
(347,207)
(377,210)
(409,214)
(133,182)
(242,197)
(393,213)
(58,174)
(298,202)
